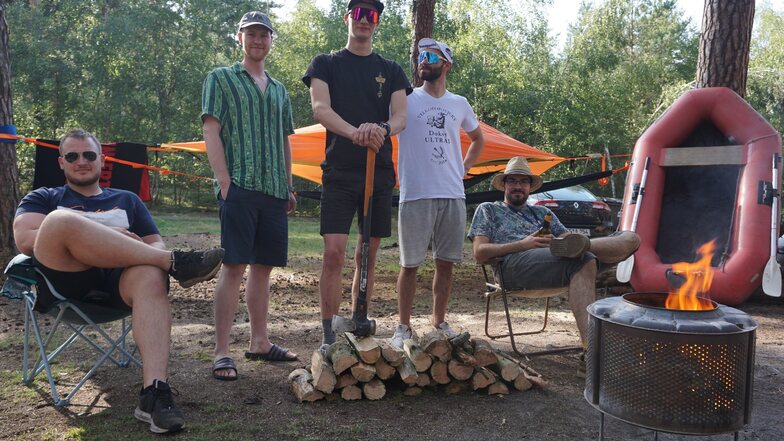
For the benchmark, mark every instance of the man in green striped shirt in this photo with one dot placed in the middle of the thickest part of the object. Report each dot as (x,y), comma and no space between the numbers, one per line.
(246,117)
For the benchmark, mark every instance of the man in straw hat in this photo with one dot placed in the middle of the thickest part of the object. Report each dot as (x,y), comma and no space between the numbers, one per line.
(509,229)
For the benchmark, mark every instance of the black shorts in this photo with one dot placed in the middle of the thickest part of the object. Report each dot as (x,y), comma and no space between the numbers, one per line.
(342,195)
(254,227)
(81,286)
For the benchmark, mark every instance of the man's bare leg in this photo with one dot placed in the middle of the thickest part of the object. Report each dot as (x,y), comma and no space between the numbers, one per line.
(442,290)
(69,242)
(406,291)
(582,292)
(144,289)
(330,283)
(227,296)
(257,295)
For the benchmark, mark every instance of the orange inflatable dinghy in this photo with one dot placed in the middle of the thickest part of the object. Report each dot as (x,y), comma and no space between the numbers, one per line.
(709,178)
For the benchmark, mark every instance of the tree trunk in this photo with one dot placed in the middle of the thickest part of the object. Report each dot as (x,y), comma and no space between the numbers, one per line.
(422,12)
(724,44)
(9,174)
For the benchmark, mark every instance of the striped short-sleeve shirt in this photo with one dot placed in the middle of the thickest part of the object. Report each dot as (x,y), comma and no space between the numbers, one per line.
(253,127)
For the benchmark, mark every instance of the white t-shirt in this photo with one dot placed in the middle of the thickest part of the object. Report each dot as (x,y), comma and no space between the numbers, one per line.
(430,159)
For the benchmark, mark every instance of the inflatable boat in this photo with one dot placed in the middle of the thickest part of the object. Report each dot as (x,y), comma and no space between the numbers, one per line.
(709,178)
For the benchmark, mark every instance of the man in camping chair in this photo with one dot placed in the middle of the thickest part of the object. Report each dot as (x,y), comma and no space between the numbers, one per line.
(509,230)
(83,237)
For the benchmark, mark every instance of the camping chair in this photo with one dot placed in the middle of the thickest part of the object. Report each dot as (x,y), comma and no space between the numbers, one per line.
(22,280)
(494,283)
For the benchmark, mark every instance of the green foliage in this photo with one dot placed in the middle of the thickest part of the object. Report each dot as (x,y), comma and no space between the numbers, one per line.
(133,70)
(766,68)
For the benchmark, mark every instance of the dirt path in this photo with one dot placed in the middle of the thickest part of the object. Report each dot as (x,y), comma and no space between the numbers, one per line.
(260,406)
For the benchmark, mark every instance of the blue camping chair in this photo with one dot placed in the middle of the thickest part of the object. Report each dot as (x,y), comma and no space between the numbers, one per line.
(22,281)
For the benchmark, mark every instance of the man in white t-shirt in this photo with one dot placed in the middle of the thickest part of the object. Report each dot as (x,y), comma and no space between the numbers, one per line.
(431,167)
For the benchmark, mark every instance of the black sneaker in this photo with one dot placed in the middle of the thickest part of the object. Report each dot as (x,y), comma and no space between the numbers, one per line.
(156,406)
(192,267)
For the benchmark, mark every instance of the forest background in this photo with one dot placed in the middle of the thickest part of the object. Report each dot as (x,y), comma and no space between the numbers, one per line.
(132,70)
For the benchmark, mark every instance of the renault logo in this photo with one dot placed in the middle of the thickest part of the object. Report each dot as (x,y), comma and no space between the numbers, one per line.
(576,205)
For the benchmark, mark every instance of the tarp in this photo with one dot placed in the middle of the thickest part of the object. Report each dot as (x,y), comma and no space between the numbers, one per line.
(307,145)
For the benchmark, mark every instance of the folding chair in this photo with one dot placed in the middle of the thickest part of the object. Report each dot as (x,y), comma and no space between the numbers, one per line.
(22,281)
(494,283)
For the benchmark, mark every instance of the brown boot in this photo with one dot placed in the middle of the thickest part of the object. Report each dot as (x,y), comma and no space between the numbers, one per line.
(571,245)
(616,247)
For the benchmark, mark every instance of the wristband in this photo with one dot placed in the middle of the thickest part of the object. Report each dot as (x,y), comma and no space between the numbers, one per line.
(385,125)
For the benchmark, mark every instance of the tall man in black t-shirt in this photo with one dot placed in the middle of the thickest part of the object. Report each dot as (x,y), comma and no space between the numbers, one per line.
(84,237)
(352,92)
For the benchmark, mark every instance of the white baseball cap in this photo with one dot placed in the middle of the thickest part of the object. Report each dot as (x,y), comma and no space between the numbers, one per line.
(429,43)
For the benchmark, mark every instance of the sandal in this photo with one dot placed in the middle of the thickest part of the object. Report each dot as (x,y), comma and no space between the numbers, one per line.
(276,353)
(225,363)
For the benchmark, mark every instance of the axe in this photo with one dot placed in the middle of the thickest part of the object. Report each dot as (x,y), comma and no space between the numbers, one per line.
(359,323)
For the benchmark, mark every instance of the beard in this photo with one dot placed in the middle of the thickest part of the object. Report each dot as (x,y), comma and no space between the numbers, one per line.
(82,182)
(432,74)
(516,199)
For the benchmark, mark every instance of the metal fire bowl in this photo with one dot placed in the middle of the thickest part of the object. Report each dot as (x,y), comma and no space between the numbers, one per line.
(686,372)
(645,310)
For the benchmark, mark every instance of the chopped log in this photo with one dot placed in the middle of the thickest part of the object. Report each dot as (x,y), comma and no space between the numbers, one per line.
(365,347)
(412,391)
(374,389)
(483,352)
(407,372)
(323,375)
(507,368)
(482,378)
(302,387)
(334,396)
(363,372)
(456,387)
(460,371)
(345,379)
(439,371)
(384,370)
(537,380)
(421,359)
(522,383)
(463,356)
(423,379)
(392,354)
(342,357)
(436,344)
(499,388)
(460,339)
(351,392)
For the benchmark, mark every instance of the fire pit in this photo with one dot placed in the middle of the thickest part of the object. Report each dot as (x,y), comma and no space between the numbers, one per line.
(669,370)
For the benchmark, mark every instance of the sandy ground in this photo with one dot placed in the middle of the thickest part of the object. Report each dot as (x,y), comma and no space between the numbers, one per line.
(260,406)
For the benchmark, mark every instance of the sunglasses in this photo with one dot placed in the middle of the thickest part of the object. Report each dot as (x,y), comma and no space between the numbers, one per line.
(431,57)
(88,156)
(359,12)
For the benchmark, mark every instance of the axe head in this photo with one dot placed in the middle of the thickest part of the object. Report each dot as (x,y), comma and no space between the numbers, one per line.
(363,328)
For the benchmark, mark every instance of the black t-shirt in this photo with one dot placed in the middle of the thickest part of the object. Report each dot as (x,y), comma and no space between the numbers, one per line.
(360,91)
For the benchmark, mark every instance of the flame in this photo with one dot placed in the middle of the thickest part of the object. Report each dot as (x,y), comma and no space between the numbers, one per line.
(699,276)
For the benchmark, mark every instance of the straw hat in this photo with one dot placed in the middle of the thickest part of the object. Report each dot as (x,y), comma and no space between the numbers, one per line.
(517,166)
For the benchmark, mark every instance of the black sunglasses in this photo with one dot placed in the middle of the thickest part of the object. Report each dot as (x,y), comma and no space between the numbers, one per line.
(74,156)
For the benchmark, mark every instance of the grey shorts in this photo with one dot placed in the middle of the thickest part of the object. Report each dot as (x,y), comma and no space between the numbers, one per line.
(537,269)
(437,222)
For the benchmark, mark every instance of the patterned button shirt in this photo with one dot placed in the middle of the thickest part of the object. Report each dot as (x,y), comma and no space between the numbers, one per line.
(253,127)
(502,223)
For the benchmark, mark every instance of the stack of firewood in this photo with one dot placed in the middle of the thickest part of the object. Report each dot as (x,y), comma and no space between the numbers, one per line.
(366,367)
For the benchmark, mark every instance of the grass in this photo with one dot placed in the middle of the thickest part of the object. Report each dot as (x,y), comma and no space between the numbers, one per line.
(304,237)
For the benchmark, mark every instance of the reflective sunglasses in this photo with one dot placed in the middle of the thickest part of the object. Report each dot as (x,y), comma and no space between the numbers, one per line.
(88,156)
(359,12)
(431,57)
